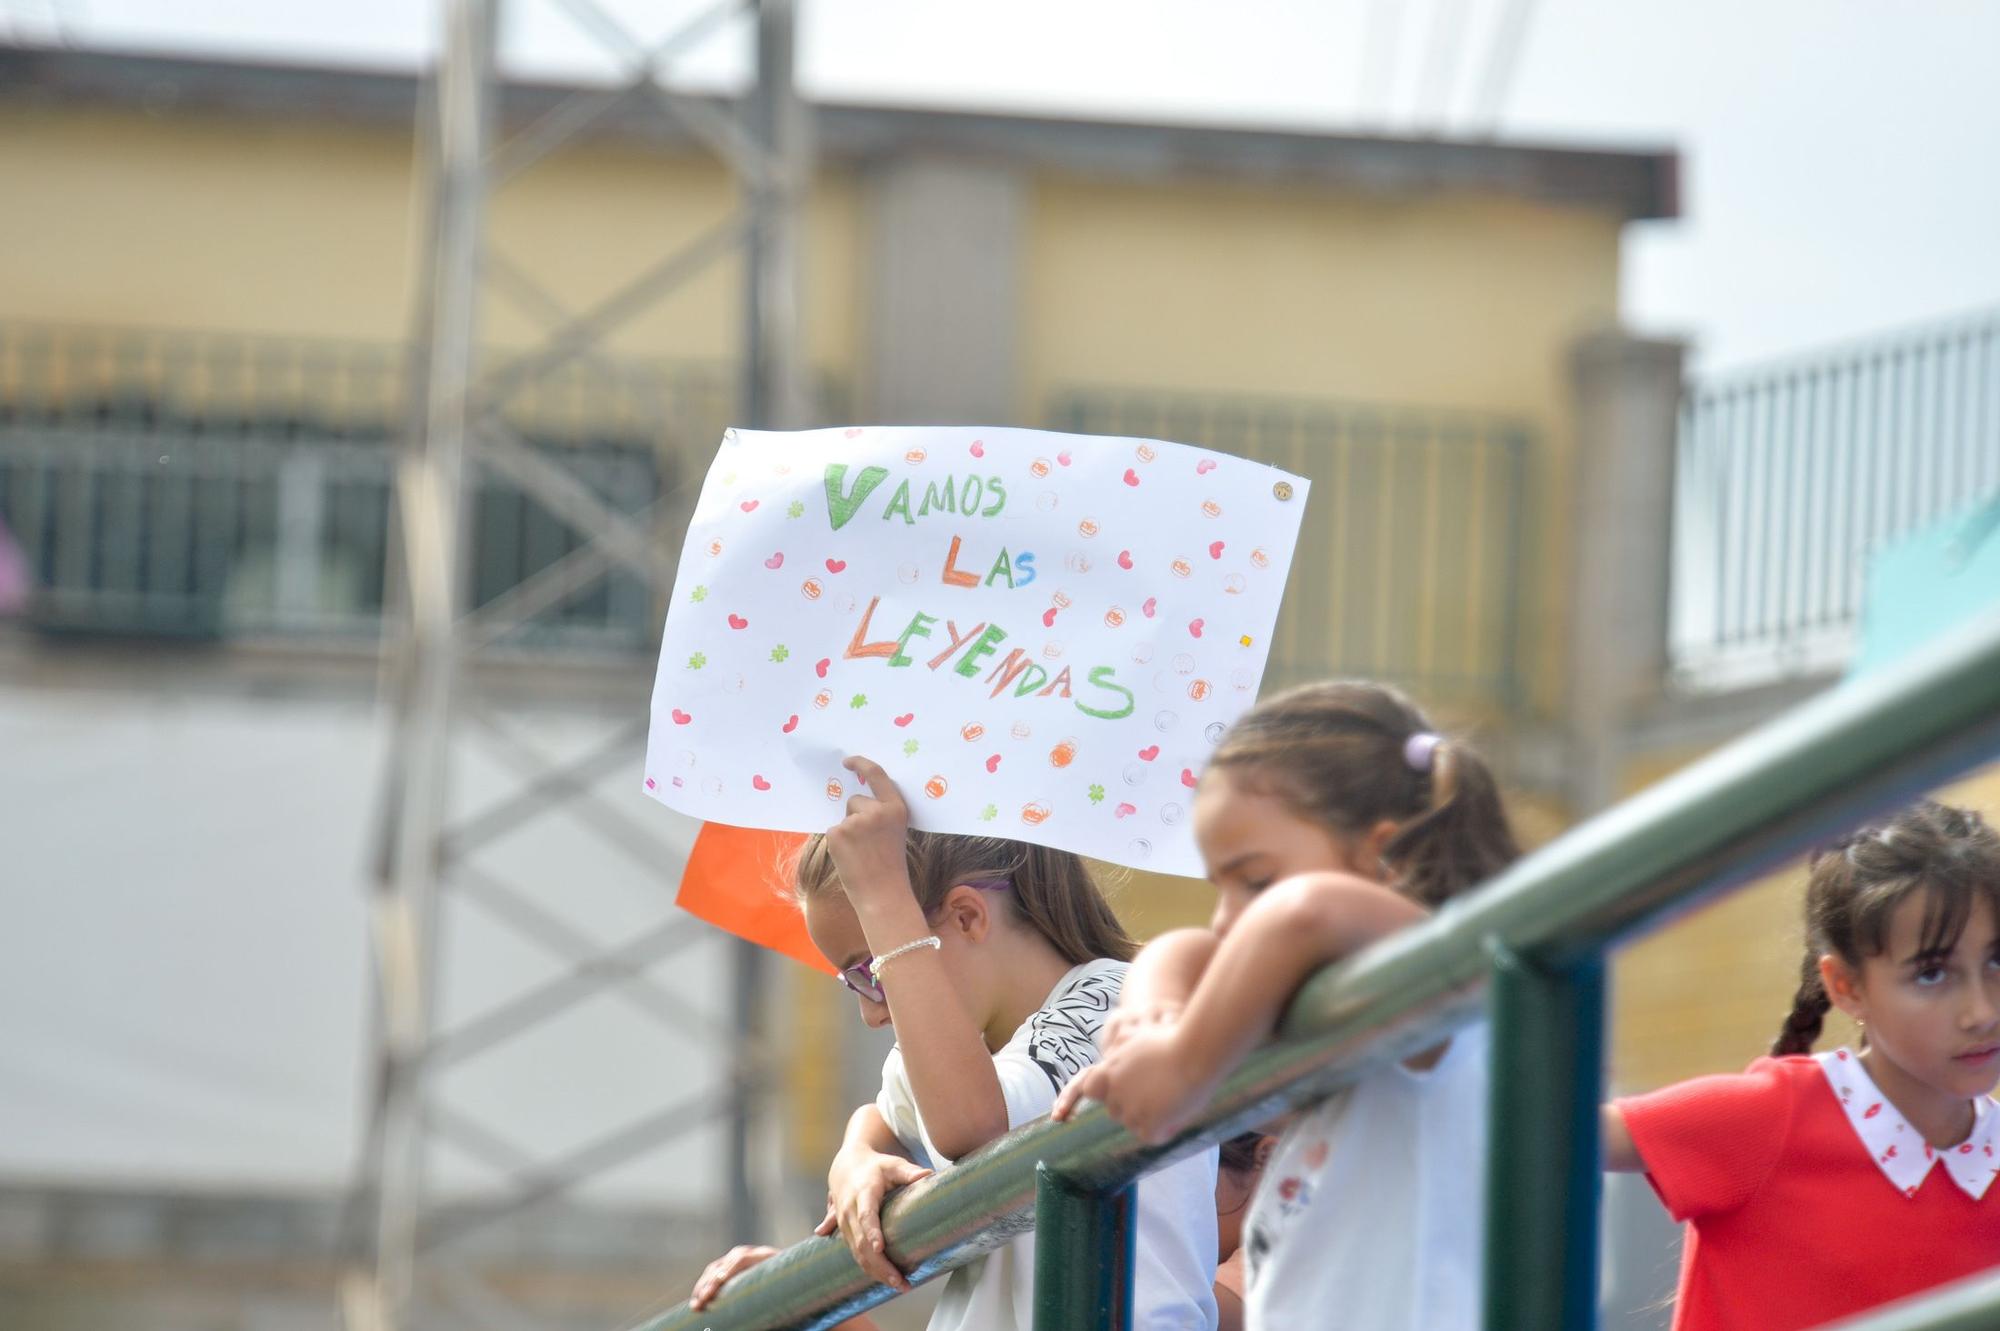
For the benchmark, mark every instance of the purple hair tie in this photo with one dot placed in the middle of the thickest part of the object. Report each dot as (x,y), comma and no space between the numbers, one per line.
(1420,748)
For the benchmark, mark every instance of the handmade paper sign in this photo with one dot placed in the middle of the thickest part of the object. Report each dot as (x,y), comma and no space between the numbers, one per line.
(1039,636)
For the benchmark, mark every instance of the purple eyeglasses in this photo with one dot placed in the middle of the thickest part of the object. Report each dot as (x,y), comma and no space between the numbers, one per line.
(860,977)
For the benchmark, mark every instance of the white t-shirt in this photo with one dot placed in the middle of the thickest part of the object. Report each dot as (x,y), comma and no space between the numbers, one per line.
(1174,1270)
(1369,1214)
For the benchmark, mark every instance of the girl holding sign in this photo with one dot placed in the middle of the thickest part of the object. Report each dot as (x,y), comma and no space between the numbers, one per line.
(1329,817)
(996,962)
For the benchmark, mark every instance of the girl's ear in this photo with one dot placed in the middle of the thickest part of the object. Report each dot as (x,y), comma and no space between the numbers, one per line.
(966,913)
(1843,987)
(1375,845)
(1265,1145)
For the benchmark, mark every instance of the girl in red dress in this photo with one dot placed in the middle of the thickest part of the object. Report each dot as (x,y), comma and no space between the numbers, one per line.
(1817,1186)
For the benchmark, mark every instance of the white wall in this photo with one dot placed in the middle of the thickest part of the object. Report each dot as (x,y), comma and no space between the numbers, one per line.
(183,964)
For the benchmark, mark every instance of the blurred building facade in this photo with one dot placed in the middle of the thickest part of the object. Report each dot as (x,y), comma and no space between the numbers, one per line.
(203,301)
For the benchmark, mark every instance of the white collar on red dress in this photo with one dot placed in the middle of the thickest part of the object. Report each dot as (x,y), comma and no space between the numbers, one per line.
(1899,1149)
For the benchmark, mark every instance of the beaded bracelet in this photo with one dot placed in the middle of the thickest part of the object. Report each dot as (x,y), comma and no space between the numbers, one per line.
(875,966)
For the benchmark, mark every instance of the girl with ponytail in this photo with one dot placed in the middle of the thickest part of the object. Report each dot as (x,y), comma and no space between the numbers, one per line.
(1328,817)
(1818,1186)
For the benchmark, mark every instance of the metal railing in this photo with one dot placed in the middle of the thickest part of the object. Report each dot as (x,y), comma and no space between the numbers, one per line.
(1790,476)
(1533,942)
(1418,542)
(201,485)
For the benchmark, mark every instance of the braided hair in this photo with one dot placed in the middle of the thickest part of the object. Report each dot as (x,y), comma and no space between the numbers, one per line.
(1855,885)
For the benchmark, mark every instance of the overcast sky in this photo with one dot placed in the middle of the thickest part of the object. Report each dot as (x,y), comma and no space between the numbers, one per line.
(1842,157)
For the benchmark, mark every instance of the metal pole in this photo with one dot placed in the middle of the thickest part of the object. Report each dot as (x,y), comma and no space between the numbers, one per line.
(1083,1255)
(771,400)
(773,392)
(1544,1166)
(429,490)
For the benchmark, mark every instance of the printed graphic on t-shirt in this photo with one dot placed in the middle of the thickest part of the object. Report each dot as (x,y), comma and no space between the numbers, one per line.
(1062,1037)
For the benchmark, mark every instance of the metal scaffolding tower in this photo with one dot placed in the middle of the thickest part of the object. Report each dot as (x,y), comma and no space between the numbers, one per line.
(398,1238)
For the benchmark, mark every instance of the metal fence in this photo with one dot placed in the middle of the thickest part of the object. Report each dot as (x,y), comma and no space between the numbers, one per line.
(203,485)
(1789,477)
(1410,565)
(1530,945)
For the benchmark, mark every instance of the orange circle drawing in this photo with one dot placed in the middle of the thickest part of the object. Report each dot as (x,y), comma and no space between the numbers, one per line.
(914,457)
(1181,568)
(1021,730)
(1114,617)
(833,791)
(936,787)
(1061,599)
(810,589)
(1088,527)
(1063,754)
(1210,508)
(1198,689)
(822,698)
(1038,468)
(1259,558)
(971,731)
(1146,453)
(1034,813)
(715,547)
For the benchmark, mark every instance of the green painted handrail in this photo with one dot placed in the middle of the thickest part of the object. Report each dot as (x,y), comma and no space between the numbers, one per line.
(1717,824)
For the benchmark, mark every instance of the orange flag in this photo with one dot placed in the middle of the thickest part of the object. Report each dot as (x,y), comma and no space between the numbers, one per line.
(739,880)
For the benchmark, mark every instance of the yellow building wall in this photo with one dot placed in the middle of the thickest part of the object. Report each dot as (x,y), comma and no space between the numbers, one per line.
(311,230)
(1458,301)
(1708,993)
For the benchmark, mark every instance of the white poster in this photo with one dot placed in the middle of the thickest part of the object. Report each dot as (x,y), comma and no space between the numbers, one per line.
(1038,635)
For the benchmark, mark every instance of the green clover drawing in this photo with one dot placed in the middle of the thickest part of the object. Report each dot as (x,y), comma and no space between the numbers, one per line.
(1097,794)
(909,747)
(697,661)
(780,652)
(989,813)
(795,509)
(858,701)
(698,594)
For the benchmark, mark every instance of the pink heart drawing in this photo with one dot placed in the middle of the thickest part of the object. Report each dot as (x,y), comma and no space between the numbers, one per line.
(1063,457)
(681,718)
(1124,559)
(836,565)
(678,783)
(652,784)
(1125,811)
(1049,618)
(1197,626)
(993,763)
(906,718)
(777,560)
(978,448)
(821,668)
(760,783)
(738,622)
(791,724)
(1150,752)
(1131,477)
(1205,466)
(748,506)
(1152,604)
(854,433)
(1187,778)
(1215,549)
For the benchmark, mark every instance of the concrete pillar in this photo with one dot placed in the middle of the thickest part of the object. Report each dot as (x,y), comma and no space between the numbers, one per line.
(1626,393)
(943,293)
